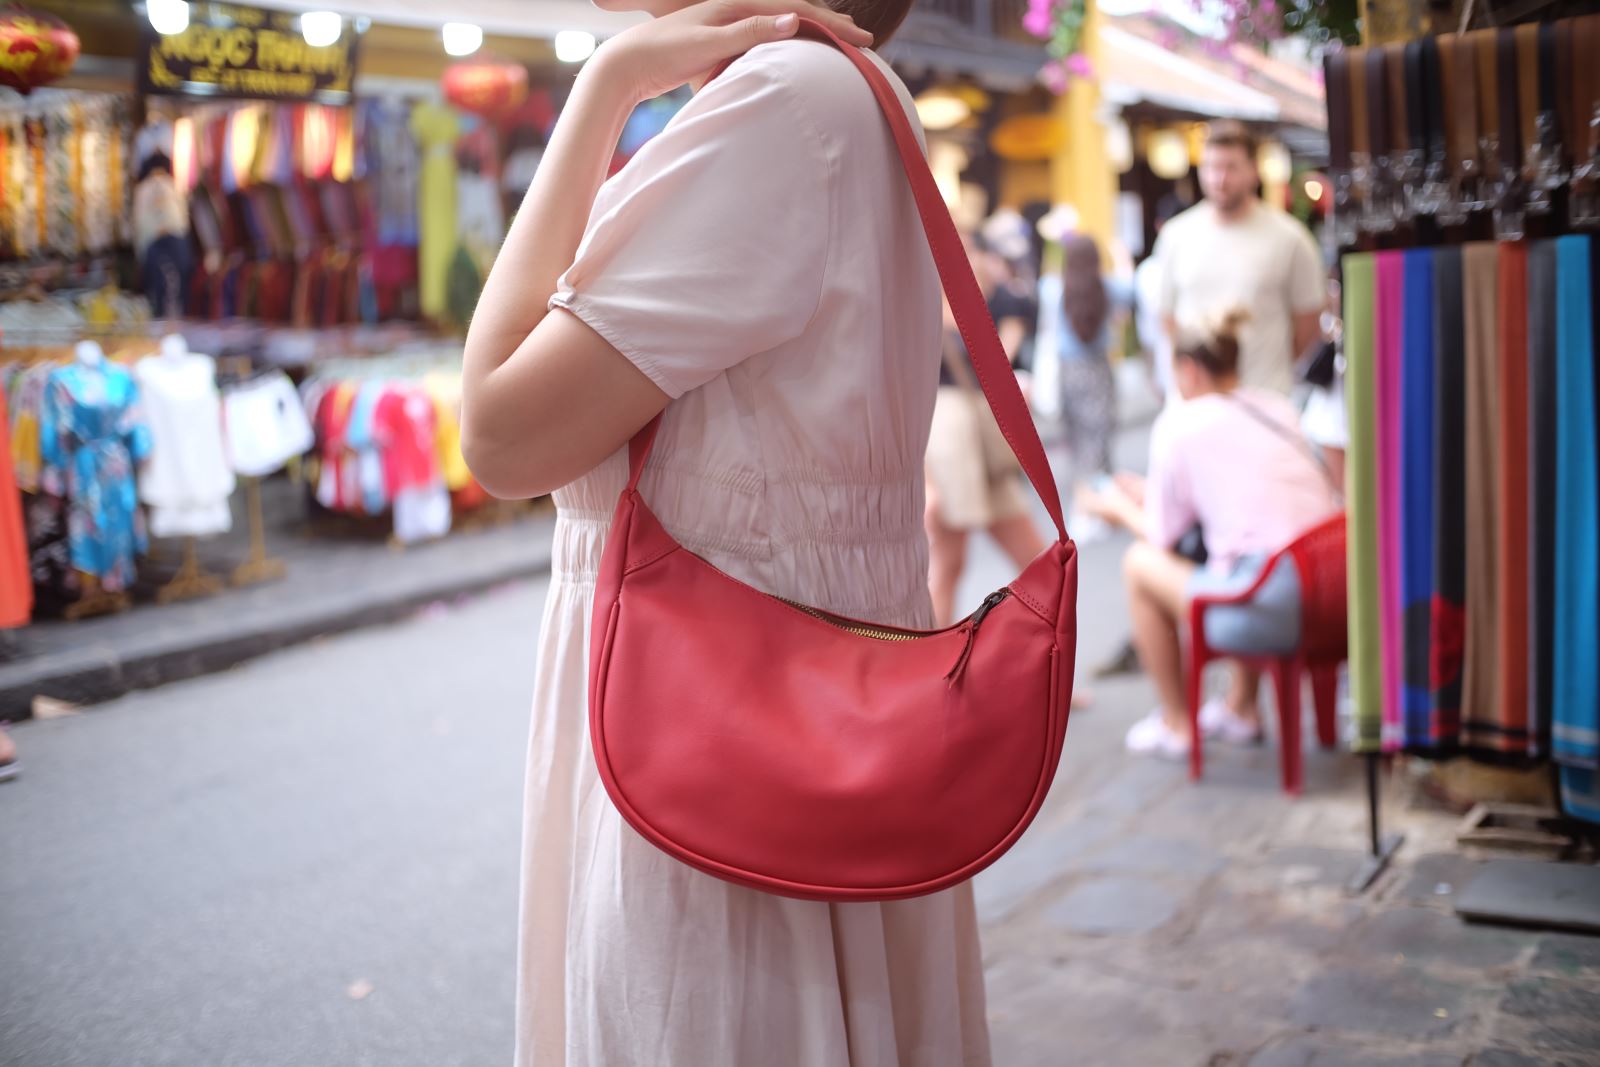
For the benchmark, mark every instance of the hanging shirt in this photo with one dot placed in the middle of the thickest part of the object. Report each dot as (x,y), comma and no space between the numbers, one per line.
(265,424)
(185,479)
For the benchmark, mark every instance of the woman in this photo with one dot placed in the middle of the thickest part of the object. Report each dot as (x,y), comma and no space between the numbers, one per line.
(161,238)
(1232,462)
(761,265)
(974,481)
(1088,388)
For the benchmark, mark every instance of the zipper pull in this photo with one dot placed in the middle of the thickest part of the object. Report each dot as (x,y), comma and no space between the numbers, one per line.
(971,626)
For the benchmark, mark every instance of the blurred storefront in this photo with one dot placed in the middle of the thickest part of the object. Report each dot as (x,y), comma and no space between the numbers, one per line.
(235,234)
(332,193)
(1162,82)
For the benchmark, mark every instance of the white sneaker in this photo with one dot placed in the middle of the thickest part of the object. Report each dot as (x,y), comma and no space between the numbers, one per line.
(1151,736)
(1219,722)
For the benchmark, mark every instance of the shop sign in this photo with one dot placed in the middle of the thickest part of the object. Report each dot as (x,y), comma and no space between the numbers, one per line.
(234,51)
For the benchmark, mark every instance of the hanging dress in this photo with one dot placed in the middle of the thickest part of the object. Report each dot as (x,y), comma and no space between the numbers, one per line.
(435,128)
(16,583)
(91,436)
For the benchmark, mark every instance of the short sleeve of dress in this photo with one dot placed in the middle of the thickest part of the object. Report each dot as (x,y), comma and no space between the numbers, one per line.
(710,245)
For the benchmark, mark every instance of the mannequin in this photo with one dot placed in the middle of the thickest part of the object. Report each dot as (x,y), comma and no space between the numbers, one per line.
(90,354)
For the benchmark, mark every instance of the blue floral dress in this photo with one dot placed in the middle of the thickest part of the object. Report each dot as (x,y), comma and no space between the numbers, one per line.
(91,436)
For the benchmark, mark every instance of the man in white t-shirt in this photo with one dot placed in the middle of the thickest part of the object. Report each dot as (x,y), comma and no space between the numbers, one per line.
(1230,251)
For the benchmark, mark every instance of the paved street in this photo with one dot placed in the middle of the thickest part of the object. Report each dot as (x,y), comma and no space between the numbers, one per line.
(311,860)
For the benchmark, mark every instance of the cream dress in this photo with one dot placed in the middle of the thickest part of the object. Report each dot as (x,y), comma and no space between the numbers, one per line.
(762,261)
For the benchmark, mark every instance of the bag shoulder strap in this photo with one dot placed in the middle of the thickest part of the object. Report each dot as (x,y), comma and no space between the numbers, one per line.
(1294,437)
(995,376)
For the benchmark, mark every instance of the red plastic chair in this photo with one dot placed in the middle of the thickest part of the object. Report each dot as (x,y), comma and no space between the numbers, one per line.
(1319,557)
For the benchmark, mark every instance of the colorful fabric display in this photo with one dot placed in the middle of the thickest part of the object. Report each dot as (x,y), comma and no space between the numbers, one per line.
(1474,472)
(381,449)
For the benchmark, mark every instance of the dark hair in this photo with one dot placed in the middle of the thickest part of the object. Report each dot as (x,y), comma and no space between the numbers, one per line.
(881,18)
(1214,348)
(156,161)
(1227,133)
(1083,289)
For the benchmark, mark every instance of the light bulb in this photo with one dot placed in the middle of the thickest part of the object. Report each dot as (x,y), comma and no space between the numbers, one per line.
(1167,155)
(940,109)
(461,38)
(574,46)
(321,28)
(167,17)
(1274,162)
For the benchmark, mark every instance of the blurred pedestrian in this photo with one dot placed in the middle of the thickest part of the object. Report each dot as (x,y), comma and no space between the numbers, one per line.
(761,266)
(1149,320)
(1232,250)
(161,238)
(1089,299)
(1230,462)
(974,480)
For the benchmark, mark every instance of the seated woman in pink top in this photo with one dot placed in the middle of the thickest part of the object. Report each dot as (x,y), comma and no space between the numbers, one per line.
(1233,463)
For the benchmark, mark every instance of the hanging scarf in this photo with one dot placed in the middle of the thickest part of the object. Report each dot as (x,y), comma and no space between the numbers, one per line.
(1447,627)
(1416,495)
(1480,673)
(1366,669)
(1388,355)
(1543,490)
(1576,687)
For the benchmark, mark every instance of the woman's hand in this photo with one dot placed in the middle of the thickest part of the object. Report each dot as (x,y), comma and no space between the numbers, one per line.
(656,57)
(1132,486)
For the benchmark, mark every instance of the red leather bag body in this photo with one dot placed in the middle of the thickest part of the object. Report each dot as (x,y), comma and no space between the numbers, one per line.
(793,751)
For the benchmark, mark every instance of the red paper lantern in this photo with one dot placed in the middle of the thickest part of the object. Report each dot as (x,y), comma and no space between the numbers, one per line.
(35,48)
(486,87)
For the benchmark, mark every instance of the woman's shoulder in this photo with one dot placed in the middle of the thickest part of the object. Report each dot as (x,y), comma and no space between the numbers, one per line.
(823,83)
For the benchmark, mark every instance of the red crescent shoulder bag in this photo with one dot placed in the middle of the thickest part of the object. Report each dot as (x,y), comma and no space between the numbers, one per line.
(790,750)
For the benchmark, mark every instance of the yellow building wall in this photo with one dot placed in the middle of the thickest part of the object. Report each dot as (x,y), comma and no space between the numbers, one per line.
(1081,173)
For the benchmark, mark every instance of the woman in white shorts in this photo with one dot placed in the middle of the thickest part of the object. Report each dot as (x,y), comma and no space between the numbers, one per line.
(974,482)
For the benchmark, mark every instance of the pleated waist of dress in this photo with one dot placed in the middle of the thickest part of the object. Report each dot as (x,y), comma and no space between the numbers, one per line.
(870,575)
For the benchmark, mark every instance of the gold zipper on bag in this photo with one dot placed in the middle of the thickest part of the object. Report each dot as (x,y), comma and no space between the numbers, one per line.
(874,632)
(882,633)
